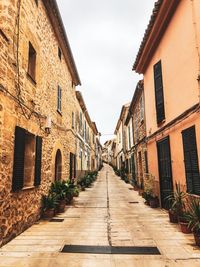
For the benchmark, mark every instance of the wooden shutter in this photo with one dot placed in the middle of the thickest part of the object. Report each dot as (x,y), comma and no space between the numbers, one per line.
(74,166)
(38,161)
(146,162)
(71,165)
(159,97)
(18,165)
(191,160)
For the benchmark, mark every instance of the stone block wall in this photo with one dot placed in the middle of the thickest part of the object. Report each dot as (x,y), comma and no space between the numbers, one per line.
(38,101)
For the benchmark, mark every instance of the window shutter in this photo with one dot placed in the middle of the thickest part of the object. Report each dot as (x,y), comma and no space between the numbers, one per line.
(18,165)
(71,165)
(146,162)
(38,161)
(158,83)
(74,166)
(191,160)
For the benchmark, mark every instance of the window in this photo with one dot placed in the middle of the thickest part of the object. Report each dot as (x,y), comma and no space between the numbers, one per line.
(129,137)
(141,109)
(191,160)
(31,61)
(59,53)
(73,120)
(159,96)
(27,160)
(36,1)
(59,100)
(72,166)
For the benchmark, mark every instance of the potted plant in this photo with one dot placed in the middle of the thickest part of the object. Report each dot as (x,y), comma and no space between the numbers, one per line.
(59,189)
(76,191)
(154,201)
(146,195)
(69,191)
(176,202)
(49,203)
(183,221)
(193,217)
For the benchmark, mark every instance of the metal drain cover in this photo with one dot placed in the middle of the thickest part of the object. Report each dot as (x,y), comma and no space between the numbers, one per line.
(56,220)
(110,250)
(133,202)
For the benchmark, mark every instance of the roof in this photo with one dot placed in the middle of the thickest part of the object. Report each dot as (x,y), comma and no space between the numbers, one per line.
(122,114)
(83,107)
(138,90)
(162,13)
(59,29)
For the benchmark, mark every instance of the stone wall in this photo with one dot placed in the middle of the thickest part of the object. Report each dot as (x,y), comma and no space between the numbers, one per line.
(21,209)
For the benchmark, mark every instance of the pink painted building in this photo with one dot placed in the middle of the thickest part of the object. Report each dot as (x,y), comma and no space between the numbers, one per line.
(169,59)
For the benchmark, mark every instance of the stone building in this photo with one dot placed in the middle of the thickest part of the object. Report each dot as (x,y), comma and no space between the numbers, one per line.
(121,140)
(169,59)
(87,136)
(108,155)
(136,154)
(38,77)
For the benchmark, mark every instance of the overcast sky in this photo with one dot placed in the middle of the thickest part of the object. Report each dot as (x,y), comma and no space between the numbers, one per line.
(105,36)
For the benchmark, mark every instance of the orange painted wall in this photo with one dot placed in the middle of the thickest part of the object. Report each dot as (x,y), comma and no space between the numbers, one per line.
(178,53)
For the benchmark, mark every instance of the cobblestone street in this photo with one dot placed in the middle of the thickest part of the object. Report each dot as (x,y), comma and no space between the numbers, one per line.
(103,216)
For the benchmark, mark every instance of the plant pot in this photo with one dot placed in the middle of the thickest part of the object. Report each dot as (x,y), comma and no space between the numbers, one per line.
(197,238)
(76,194)
(48,213)
(147,202)
(69,199)
(61,206)
(173,218)
(184,227)
(154,203)
(140,192)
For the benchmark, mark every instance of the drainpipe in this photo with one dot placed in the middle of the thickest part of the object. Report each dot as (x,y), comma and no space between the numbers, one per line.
(196,43)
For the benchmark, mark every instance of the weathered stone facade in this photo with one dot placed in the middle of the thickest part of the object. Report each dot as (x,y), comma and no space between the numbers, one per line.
(136,154)
(32,103)
(87,139)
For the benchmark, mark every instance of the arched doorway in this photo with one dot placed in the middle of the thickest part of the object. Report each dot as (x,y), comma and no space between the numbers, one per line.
(58,165)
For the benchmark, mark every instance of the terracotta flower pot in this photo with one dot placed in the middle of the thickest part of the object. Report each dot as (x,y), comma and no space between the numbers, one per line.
(173,218)
(197,238)
(48,213)
(184,227)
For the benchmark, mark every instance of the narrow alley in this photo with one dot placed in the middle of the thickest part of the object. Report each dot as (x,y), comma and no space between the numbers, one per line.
(109,213)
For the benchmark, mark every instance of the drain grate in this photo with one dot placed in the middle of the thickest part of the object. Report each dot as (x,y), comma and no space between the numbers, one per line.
(56,220)
(110,250)
(133,202)
(131,188)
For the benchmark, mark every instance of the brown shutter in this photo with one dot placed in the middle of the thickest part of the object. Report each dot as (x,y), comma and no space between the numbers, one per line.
(74,166)
(18,165)
(159,96)
(38,161)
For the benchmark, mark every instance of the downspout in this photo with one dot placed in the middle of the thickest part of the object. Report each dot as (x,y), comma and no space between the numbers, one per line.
(196,44)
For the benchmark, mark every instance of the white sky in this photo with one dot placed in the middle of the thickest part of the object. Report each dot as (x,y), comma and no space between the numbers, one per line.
(105,36)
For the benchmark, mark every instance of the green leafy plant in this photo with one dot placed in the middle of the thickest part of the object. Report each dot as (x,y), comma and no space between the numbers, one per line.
(49,202)
(59,189)
(176,200)
(193,214)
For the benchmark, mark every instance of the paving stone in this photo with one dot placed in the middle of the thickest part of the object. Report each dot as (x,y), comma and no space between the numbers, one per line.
(91,222)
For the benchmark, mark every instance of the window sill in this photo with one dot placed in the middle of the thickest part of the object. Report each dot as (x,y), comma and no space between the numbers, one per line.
(31,78)
(59,112)
(28,188)
(159,124)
